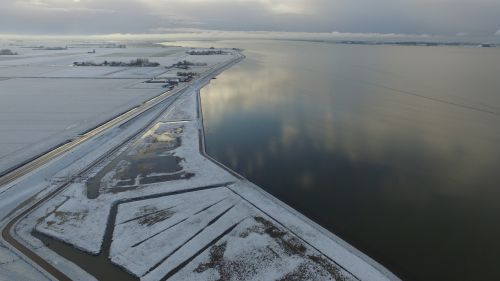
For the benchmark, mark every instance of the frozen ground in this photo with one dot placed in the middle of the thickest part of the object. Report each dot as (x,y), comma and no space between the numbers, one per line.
(157,208)
(222,237)
(45,101)
(209,225)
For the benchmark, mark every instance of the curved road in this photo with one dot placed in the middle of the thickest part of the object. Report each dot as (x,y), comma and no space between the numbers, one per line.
(168,97)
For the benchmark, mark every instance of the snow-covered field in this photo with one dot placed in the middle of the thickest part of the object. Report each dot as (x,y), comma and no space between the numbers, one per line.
(160,209)
(208,226)
(45,101)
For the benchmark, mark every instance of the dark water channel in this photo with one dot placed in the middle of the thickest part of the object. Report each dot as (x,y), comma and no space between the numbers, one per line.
(99,266)
(148,160)
(395,149)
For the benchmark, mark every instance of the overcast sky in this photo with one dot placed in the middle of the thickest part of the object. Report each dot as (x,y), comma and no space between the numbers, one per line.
(435,17)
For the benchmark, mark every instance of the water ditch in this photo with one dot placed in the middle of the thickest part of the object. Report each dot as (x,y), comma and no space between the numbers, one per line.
(100,266)
(148,160)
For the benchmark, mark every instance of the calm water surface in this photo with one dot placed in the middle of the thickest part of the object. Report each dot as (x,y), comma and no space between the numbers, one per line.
(395,149)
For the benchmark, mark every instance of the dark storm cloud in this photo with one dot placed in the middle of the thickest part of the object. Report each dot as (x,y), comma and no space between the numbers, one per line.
(479,17)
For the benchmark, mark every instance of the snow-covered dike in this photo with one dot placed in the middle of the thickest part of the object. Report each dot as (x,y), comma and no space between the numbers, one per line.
(158,208)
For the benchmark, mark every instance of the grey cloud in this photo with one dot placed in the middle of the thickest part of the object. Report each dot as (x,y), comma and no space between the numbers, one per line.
(479,17)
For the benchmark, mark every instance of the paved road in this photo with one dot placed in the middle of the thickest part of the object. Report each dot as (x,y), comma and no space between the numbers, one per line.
(38,162)
(168,97)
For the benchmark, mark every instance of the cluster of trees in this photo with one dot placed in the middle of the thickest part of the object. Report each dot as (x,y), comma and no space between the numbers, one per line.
(42,48)
(183,63)
(7,52)
(143,62)
(206,52)
(186,64)
(186,74)
(134,63)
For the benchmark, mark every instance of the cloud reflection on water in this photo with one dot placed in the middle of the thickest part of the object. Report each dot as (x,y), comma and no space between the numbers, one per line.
(396,172)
